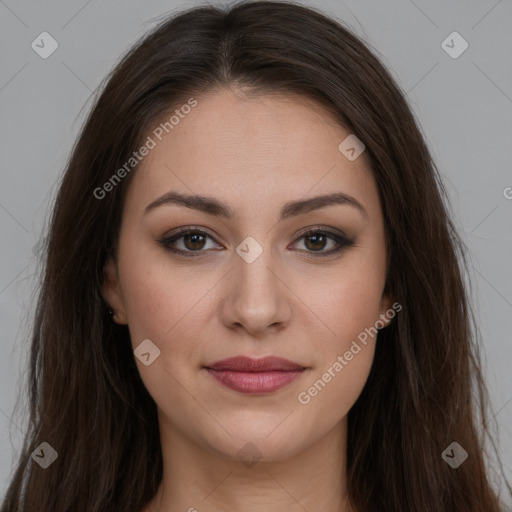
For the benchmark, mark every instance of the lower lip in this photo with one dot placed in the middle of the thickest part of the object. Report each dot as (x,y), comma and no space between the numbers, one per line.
(255,382)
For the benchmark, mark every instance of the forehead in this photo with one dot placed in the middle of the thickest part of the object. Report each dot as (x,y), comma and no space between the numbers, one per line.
(252,152)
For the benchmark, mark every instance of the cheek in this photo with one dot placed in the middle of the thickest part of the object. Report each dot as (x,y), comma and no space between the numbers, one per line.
(169,305)
(351,311)
(330,394)
(164,305)
(348,308)
(346,303)
(159,296)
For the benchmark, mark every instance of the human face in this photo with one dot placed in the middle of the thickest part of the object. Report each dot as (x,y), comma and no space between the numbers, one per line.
(298,299)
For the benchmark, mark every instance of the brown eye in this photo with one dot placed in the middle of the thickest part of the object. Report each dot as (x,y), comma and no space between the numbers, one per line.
(194,241)
(187,242)
(316,240)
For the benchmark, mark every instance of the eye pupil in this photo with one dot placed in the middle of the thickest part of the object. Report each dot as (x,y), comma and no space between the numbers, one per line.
(194,237)
(316,237)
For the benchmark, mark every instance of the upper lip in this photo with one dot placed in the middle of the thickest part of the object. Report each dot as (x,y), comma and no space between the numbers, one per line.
(247,364)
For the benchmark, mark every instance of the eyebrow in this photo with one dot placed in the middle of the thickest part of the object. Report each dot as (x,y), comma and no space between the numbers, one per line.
(212,206)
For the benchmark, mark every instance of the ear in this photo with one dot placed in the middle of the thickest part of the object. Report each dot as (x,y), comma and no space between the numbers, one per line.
(387,310)
(111,291)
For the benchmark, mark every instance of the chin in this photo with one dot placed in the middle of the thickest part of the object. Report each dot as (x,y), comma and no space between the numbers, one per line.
(263,441)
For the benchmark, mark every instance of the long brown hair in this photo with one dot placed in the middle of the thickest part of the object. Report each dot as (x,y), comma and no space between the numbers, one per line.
(425,389)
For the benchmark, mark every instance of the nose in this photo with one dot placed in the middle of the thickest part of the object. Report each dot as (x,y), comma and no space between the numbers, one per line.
(257,298)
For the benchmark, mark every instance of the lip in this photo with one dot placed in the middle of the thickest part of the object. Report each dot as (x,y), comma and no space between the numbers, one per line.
(254,376)
(248,364)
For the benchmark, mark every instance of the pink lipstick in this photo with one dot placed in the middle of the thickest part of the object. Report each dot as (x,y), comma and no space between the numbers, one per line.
(253,376)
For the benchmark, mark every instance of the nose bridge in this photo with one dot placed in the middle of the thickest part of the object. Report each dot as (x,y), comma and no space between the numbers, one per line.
(257,294)
(254,268)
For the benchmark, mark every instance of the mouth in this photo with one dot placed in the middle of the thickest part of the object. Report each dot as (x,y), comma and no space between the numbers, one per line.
(255,376)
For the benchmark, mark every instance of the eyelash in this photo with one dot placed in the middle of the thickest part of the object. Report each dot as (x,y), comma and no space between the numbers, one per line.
(343,242)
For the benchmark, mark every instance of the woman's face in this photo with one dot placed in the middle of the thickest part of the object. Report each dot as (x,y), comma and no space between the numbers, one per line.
(251,283)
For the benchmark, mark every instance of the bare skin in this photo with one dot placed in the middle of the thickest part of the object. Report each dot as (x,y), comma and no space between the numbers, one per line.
(254,154)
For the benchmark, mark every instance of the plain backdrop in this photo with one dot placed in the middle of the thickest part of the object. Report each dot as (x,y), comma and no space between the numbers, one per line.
(463,104)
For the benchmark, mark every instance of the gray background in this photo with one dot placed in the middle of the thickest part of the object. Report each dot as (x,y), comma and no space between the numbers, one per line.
(464,106)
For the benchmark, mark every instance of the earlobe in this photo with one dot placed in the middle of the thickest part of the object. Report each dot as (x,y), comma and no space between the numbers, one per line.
(387,312)
(111,291)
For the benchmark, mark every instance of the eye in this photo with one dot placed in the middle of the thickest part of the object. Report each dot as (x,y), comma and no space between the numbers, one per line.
(192,241)
(316,240)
